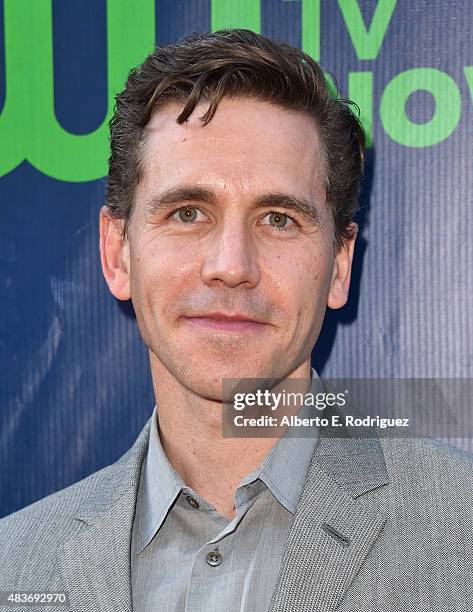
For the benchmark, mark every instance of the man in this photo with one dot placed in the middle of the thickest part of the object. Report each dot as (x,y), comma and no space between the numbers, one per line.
(233,182)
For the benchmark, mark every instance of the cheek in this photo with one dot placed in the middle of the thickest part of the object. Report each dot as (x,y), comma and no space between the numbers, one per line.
(160,274)
(150,269)
(309,287)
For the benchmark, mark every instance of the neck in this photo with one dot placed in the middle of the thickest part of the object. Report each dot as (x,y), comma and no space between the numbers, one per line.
(190,430)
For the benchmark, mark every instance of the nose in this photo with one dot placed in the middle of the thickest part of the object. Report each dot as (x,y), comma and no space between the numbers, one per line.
(231,256)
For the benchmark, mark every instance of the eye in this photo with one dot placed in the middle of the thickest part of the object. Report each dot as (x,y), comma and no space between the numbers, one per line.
(279,221)
(186,214)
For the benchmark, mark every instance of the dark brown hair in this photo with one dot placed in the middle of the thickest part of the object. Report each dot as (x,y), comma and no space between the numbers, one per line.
(235,63)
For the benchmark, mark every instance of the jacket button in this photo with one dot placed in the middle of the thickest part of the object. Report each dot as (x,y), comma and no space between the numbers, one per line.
(214,558)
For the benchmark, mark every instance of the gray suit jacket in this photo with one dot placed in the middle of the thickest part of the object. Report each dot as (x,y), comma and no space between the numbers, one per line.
(382,525)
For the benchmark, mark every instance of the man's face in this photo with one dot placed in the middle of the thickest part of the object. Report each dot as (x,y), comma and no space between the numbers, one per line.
(225,251)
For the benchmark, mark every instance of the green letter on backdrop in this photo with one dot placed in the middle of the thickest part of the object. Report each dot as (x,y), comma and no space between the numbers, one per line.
(29,128)
(235,14)
(28,125)
(367,41)
(310,27)
(447,107)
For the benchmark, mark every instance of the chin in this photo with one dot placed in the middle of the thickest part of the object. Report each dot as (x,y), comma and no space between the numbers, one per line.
(212,381)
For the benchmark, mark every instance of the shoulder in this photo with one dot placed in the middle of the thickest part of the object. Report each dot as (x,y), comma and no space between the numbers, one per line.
(423,553)
(33,534)
(97,490)
(59,506)
(422,459)
(31,537)
(428,478)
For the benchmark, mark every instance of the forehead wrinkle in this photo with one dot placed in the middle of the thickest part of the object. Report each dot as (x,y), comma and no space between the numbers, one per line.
(190,132)
(188,135)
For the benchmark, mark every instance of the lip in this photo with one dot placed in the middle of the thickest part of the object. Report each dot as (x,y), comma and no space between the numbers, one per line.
(227,323)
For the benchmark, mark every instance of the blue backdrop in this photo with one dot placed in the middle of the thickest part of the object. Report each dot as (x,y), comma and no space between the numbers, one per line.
(75,385)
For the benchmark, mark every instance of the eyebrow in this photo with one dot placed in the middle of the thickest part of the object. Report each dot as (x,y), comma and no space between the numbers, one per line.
(168,199)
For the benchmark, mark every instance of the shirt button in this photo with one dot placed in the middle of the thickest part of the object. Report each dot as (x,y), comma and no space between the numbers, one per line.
(214,558)
(192,502)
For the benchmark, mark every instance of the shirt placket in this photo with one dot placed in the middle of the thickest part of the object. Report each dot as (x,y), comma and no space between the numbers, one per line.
(211,571)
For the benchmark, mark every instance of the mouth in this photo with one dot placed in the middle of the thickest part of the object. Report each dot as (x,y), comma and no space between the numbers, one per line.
(226,323)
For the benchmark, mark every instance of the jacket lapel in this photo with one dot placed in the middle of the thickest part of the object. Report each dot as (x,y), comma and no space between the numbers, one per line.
(333,531)
(95,562)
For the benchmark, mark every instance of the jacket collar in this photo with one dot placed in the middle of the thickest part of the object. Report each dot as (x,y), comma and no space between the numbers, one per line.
(95,562)
(334,527)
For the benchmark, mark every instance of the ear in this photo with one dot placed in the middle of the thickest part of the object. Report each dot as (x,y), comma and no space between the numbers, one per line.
(114,255)
(340,283)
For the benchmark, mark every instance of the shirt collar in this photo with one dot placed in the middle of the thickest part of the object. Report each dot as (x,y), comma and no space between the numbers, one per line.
(285,467)
(160,484)
(283,471)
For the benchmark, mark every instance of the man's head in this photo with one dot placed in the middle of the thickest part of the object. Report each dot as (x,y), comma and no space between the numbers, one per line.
(228,127)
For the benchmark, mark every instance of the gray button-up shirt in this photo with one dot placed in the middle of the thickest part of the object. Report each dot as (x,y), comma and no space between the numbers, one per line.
(185,556)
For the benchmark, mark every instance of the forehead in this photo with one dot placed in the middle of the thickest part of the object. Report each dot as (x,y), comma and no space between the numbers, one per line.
(247,145)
